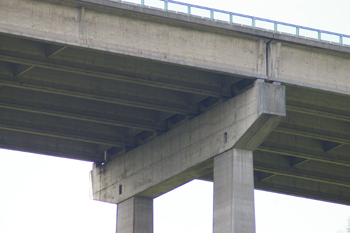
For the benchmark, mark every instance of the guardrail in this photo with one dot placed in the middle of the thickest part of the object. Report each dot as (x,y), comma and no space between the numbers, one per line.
(243,20)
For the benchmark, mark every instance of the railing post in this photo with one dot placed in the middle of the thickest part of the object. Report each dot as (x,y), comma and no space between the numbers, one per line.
(275,27)
(253,22)
(340,39)
(189,10)
(319,36)
(211,14)
(142,3)
(231,18)
(297,32)
(165,5)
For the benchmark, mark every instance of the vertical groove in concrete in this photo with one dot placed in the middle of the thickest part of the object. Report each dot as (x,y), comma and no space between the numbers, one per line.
(135,215)
(234,192)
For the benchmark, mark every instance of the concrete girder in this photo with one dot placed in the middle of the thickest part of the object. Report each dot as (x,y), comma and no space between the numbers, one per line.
(34,47)
(113,115)
(122,95)
(312,170)
(311,133)
(315,127)
(63,128)
(262,176)
(306,148)
(53,49)
(99,72)
(73,137)
(255,112)
(80,109)
(294,107)
(50,146)
(323,157)
(305,188)
(319,102)
(329,146)
(20,69)
(131,123)
(302,175)
(115,67)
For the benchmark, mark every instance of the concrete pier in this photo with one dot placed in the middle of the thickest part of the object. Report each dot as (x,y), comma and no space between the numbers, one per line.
(234,192)
(135,215)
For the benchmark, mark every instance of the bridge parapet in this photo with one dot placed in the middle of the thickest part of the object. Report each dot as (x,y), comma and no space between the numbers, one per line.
(244,20)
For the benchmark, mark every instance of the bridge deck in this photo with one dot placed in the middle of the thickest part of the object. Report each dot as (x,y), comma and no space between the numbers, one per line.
(92,79)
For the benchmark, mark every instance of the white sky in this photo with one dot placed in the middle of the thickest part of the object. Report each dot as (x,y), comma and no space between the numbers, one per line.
(47,194)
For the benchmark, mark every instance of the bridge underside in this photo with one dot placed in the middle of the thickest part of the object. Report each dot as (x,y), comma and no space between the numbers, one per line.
(91,104)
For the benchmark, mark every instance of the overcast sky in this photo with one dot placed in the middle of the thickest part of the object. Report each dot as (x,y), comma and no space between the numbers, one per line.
(47,194)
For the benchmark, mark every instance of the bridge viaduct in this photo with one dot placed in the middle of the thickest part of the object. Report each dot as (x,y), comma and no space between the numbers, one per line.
(157,99)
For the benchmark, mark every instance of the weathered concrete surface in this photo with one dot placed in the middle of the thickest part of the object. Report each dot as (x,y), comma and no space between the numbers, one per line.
(245,121)
(307,66)
(234,192)
(125,29)
(271,106)
(135,215)
(112,30)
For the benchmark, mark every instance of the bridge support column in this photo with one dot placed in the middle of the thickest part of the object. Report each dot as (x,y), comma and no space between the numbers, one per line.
(227,134)
(135,215)
(234,192)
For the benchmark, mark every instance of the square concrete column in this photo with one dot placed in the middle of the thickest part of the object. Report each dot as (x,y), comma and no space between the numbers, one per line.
(135,215)
(234,192)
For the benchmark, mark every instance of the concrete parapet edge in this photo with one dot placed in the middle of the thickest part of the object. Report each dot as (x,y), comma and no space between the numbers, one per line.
(218,25)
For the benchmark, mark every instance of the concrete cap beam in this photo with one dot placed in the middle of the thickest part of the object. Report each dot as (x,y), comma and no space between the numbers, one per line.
(243,121)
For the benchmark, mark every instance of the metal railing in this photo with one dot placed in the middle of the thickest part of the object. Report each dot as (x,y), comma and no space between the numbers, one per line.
(243,20)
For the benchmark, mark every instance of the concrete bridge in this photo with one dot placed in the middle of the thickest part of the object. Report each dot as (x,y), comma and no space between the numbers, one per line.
(157,99)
